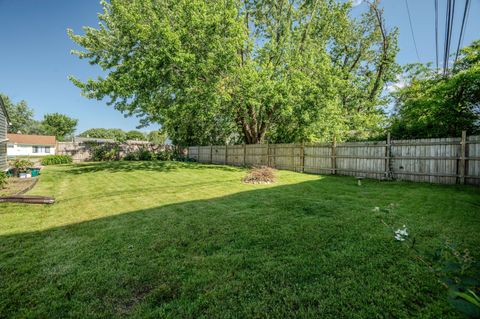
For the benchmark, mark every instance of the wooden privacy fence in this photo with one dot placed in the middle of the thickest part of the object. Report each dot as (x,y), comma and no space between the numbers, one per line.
(434,160)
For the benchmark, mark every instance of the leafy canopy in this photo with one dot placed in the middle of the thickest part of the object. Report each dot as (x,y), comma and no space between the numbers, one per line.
(23,122)
(59,125)
(21,117)
(432,105)
(229,71)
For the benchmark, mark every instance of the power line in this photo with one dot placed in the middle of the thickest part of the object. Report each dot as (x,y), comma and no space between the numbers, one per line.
(462,30)
(450,13)
(436,32)
(411,29)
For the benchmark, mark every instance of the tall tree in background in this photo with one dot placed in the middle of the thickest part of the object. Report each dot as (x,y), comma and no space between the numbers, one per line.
(157,137)
(59,125)
(135,135)
(21,117)
(108,133)
(432,105)
(242,70)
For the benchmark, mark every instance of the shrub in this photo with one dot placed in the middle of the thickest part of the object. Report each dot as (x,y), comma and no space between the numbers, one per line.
(260,175)
(3,179)
(141,154)
(146,155)
(105,152)
(173,155)
(132,156)
(56,159)
(22,165)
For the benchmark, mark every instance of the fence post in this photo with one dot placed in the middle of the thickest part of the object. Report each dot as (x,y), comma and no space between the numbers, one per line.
(244,154)
(226,154)
(334,154)
(302,153)
(387,157)
(211,154)
(463,148)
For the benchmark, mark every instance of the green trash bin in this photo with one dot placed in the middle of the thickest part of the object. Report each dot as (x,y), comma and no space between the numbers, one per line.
(35,171)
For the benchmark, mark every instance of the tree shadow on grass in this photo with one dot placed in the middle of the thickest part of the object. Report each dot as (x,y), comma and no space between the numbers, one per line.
(311,249)
(131,166)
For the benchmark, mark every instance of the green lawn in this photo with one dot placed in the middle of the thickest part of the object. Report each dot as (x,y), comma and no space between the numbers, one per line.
(186,240)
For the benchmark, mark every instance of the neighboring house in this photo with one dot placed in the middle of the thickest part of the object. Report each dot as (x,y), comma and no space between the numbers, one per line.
(31,145)
(3,135)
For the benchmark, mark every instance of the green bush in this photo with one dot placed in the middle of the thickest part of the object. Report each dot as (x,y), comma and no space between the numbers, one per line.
(56,159)
(3,179)
(22,165)
(105,152)
(142,154)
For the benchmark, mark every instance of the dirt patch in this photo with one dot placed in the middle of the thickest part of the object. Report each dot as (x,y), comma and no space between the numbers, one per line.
(17,186)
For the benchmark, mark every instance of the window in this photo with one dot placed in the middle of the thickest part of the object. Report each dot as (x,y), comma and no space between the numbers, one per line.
(47,149)
(35,149)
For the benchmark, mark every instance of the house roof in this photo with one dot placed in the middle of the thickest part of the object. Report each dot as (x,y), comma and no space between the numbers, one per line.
(32,139)
(2,107)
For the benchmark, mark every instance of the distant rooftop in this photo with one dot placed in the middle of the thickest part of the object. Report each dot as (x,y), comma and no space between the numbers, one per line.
(32,139)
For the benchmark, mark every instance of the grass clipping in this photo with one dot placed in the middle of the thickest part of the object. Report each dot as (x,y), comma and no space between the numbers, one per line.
(260,175)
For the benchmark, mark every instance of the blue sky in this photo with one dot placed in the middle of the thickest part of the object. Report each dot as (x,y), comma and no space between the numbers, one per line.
(35,58)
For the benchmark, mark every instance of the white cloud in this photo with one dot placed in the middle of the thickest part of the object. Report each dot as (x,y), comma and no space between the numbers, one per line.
(400,84)
(356,2)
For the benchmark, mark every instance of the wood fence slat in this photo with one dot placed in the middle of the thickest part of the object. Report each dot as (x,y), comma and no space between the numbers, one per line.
(435,160)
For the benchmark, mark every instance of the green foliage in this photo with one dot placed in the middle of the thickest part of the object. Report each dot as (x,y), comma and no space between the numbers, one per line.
(135,135)
(113,133)
(22,165)
(59,125)
(431,105)
(104,152)
(56,159)
(21,117)
(142,154)
(157,137)
(232,71)
(3,179)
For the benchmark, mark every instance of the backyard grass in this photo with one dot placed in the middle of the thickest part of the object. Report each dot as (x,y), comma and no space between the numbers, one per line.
(186,240)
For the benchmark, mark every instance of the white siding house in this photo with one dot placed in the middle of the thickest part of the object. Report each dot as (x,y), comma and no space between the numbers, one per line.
(31,145)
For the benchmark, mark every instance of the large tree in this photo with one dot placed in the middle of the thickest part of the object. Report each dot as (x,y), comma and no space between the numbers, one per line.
(109,133)
(59,125)
(135,135)
(436,105)
(21,117)
(242,70)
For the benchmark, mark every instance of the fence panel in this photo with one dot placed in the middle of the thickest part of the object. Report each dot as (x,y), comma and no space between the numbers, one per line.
(435,160)
(318,159)
(218,154)
(235,155)
(204,154)
(432,160)
(366,159)
(256,154)
(472,170)
(286,156)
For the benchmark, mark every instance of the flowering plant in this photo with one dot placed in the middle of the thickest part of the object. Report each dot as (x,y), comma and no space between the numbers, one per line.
(401,234)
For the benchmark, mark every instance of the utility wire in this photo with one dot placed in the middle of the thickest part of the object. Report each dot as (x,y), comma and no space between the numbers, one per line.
(462,30)
(448,33)
(411,29)
(436,32)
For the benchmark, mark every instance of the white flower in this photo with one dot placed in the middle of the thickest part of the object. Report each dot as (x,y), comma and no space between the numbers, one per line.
(401,234)
(376,209)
